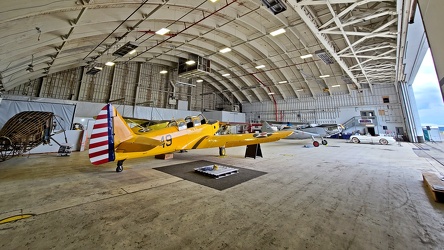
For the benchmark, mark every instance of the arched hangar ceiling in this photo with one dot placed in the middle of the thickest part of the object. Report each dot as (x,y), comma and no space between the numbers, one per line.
(353,43)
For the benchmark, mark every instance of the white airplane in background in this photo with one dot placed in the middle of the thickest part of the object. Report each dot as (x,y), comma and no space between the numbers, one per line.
(307,132)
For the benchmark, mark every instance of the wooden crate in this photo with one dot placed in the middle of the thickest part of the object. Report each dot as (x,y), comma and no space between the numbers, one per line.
(435,184)
(164,156)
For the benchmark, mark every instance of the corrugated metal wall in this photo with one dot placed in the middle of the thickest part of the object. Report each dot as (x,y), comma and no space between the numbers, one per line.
(132,83)
(325,109)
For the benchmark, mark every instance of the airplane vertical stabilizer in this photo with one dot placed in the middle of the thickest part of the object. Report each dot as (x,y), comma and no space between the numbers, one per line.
(101,144)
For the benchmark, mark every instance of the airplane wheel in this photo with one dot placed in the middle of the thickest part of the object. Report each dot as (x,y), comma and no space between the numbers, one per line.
(324,142)
(355,140)
(222,151)
(119,168)
(316,144)
(383,142)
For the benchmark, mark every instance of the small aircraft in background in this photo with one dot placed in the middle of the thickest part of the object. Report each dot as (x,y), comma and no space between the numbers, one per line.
(307,132)
(113,140)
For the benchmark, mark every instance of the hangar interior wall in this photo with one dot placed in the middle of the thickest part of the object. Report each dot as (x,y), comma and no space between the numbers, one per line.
(137,84)
(382,106)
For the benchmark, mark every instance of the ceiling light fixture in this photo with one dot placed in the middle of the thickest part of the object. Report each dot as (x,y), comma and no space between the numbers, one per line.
(199,80)
(277,32)
(306,56)
(260,66)
(94,70)
(271,93)
(337,85)
(324,76)
(132,52)
(190,62)
(227,74)
(225,50)
(186,84)
(300,90)
(125,49)
(213,1)
(110,63)
(162,31)
(163,72)
(283,82)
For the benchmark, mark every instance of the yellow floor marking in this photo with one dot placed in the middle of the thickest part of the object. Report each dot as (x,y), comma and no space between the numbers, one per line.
(15,218)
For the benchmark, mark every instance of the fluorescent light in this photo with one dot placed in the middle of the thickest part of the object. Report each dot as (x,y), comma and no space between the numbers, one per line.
(277,32)
(283,82)
(213,1)
(324,76)
(132,52)
(300,90)
(225,50)
(190,62)
(163,72)
(306,56)
(334,86)
(271,93)
(109,63)
(227,74)
(199,80)
(162,31)
(260,66)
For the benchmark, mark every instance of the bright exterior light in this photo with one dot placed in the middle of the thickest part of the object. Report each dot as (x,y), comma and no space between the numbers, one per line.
(277,32)
(163,72)
(199,80)
(260,66)
(162,31)
(334,86)
(283,82)
(190,62)
(225,50)
(109,63)
(324,76)
(227,74)
(306,56)
(132,52)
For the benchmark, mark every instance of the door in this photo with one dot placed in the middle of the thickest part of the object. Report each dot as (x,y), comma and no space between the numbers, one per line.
(371,130)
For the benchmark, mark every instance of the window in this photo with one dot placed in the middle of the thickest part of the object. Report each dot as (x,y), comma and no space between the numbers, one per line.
(385,99)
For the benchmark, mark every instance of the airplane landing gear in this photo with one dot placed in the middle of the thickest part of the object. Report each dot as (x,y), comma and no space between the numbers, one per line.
(119,166)
(324,142)
(222,151)
(316,144)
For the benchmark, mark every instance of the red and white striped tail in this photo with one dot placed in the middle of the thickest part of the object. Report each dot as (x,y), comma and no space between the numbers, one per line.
(101,144)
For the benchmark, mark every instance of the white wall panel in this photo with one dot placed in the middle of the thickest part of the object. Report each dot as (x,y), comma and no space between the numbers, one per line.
(332,109)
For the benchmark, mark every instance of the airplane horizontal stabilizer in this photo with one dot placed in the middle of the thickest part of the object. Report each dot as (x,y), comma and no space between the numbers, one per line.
(138,144)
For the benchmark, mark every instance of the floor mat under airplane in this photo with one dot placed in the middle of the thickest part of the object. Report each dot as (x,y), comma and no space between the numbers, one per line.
(186,172)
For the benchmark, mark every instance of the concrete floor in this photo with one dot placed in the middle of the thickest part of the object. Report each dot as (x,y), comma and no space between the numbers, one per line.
(340,196)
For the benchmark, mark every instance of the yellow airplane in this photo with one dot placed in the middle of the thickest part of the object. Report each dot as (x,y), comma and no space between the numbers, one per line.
(113,140)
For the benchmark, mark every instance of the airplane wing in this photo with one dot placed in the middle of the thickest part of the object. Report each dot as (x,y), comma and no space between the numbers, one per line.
(235,140)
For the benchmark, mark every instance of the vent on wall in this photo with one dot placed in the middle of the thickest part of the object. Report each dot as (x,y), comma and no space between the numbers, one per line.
(324,56)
